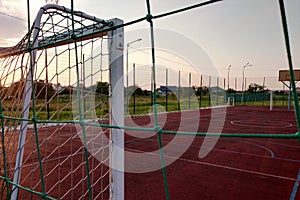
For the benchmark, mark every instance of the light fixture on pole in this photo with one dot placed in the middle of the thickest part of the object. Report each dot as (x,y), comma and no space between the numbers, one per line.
(128,44)
(243,84)
(52,1)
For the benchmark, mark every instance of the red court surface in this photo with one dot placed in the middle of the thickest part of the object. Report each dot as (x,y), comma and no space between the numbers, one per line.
(226,168)
(235,168)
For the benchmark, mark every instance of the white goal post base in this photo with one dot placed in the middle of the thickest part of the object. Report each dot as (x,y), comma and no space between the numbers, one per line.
(230,101)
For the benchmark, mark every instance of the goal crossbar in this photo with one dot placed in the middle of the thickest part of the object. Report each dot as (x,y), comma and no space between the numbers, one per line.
(66,37)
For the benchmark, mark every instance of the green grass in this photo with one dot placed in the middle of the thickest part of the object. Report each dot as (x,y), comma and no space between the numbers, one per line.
(143,104)
(61,107)
(278,100)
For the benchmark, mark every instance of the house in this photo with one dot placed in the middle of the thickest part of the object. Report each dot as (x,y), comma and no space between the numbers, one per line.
(163,90)
(216,89)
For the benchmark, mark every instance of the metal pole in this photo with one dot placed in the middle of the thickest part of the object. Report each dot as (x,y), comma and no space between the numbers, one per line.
(209,84)
(201,91)
(235,88)
(47,86)
(235,84)
(117,106)
(127,103)
(167,89)
(190,77)
(228,78)
(127,100)
(243,85)
(226,99)
(134,88)
(83,86)
(243,79)
(178,92)
(217,90)
(264,91)
(271,100)
(225,96)
(290,94)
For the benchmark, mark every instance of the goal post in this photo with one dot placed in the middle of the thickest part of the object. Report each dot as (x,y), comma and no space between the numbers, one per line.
(230,101)
(58,86)
(117,113)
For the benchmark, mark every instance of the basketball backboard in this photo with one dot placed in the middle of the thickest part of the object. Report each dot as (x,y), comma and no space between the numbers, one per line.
(284,75)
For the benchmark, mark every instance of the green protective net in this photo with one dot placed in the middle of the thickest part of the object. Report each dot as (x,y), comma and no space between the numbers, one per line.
(53,101)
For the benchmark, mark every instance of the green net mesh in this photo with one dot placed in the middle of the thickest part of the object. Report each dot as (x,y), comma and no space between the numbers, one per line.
(54,105)
(43,84)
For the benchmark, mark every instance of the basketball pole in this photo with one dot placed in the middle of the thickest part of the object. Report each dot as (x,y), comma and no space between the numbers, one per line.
(289,93)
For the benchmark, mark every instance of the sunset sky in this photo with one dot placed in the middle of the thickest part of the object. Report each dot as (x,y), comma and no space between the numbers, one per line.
(232,32)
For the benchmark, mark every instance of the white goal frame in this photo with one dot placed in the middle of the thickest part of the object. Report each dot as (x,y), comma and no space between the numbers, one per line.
(116,48)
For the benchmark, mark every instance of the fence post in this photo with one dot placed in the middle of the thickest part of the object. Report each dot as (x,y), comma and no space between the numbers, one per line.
(189,90)
(178,91)
(167,89)
(209,82)
(201,90)
(271,100)
(235,84)
(263,99)
(134,88)
(225,96)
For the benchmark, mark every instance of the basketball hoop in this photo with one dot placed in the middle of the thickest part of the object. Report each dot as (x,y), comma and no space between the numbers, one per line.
(52,1)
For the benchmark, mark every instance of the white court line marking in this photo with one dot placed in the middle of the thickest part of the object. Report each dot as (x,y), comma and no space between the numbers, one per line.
(251,143)
(221,166)
(295,188)
(241,170)
(261,124)
(276,143)
(222,150)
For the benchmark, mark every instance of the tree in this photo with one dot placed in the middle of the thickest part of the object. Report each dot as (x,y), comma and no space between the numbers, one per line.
(201,90)
(279,92)
(102,88)
(43,89)
(255,88)
(230,91)
(16,89)
(138,91)
(3,91)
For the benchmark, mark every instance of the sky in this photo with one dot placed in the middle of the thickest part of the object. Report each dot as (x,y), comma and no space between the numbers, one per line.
(231,32)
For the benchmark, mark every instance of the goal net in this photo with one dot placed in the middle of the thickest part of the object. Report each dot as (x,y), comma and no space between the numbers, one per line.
(57,86)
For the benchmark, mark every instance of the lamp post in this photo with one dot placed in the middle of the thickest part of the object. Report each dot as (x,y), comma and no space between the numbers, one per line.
(243,85)
(227,94)
(228,78)
(129,43)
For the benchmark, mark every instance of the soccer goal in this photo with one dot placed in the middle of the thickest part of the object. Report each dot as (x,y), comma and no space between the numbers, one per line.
(230,101)
(61,91)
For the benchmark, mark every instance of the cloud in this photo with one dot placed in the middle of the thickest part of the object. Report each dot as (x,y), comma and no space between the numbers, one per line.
(7,7)
(12,27)
(12,7)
